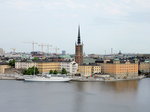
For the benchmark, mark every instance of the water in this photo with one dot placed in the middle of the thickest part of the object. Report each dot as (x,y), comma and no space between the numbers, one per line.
(125,96)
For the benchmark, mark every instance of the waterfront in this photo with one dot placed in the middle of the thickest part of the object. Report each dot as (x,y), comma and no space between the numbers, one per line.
(122,96)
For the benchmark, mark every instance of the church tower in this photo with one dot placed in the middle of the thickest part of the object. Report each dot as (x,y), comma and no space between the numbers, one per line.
(79,49)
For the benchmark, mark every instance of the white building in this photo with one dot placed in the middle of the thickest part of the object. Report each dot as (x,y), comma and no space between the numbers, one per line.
(25,65)
(2,52)
(18,55)
(12,55)
(71,67)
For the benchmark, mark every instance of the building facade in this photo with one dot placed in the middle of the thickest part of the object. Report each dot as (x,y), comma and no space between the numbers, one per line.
(2,52)
(25,65)
(79,49)
(88,70)
(3,67)
(45,67)
(119,68)
(71,67)
(144,67)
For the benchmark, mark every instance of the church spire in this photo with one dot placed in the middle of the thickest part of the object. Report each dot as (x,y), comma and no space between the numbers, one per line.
(79,39)
(79,49)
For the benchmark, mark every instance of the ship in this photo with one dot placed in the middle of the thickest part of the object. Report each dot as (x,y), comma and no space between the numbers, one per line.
(48,78)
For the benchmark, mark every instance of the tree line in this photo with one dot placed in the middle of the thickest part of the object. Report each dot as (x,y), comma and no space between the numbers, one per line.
(35,71)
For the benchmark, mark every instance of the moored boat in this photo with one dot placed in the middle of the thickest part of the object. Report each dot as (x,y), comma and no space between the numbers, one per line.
(48,78)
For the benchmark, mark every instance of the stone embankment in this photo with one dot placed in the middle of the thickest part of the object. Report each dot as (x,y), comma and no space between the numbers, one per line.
(110,79)
(9,76)
(13,71)
(80,79)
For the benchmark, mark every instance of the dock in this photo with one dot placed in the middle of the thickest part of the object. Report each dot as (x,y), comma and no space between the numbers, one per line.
(110,79)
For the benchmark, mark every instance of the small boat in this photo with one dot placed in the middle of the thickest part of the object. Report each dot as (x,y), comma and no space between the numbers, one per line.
(48,78)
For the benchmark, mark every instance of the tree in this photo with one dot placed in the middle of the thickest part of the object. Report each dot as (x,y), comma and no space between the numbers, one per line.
(12,63)
(139,72)
(55,72)
(63,71)
(35,59)
(51,72)
(31,71)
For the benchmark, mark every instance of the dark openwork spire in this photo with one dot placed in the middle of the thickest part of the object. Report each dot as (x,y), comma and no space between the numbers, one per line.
(79,39)
(79,49)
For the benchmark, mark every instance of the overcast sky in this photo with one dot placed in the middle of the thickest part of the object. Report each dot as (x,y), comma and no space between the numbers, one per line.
(119,24)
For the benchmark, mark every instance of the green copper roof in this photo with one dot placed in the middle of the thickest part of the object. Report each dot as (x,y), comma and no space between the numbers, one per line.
(89,60)
(147,60)
(116,59)
(65,56)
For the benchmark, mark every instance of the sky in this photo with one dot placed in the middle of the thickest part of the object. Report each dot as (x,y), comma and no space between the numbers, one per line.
(119,24)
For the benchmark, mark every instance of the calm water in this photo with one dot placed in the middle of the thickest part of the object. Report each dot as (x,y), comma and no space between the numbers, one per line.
(125,96)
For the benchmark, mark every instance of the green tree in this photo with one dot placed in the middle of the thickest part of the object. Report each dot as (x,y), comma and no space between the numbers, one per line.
(63,71)
(35,59)
(55,72)
(31,71)
(51,72)
(12,63)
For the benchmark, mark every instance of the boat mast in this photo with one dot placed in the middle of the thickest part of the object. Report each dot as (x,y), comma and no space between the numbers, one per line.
(34,70)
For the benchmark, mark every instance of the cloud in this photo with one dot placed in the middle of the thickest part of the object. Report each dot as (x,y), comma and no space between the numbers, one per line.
(17,4)
(114,7)
(23,4)
(47,4)
(142,3)
(107,8)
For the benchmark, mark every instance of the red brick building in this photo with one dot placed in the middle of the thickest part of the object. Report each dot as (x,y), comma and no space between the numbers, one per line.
(79,49)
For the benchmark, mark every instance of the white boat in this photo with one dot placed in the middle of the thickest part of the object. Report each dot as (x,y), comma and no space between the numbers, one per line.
(48,78)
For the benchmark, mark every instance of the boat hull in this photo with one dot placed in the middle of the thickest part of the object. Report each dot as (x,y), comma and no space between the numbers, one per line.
(60,79)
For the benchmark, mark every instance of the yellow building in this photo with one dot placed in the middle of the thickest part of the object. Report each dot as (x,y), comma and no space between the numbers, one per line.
(144,67)
(25,65)
(45,67)
(3,67)
(120,68)
(88,70)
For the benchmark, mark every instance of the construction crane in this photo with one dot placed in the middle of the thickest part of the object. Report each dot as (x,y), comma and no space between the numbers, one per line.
(33,44)
(48,47)
(42,47)
(14,50)
(56,49)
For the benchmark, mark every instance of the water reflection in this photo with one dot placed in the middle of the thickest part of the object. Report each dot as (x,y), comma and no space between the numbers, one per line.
(123,86)
(79,98)
(120,86)
(98,95)
(123,96)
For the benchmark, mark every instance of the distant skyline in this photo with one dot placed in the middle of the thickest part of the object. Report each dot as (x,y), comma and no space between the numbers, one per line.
(119,24)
